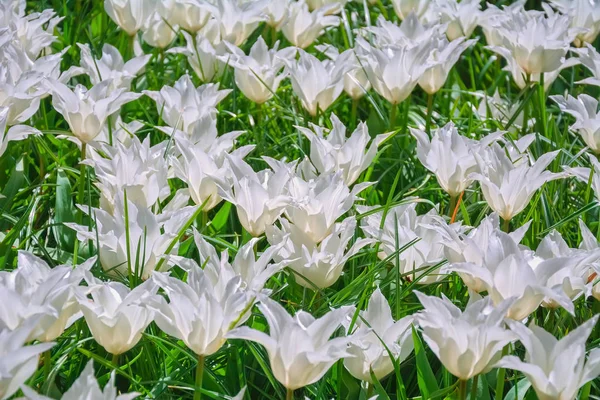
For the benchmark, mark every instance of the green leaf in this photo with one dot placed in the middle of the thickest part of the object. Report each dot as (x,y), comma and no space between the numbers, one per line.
(219,221)
(64,211)
(425,377)
(518,391)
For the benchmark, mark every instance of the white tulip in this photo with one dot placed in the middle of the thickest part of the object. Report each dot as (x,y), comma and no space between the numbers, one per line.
(461,17)
(395,71)
(502,110)
(157,31)
(377,338)
(183,105)
(258,74)
(237,21)
(34,290)
(317,204)
(149,236)
(302,27)
(299,347)
(14,133)
(197,312)
(473,247)
(277,12)
(130,15)
(584,109)
(335,5)
(111,66)
(356,82)
(585,16)
(86,387)
(506,273)
(404,8)
(116,315)
(469,342)
(508,185)
(441,60)
(34,32)
(17,361)
(191,15)
(137,168)
(402,226)
(537,43)
(555,368)
(316,264)
(86,111)
(202,55)
(411,32)
(493,18)
(590,58)
(451,156)
(317,83)
(336,153)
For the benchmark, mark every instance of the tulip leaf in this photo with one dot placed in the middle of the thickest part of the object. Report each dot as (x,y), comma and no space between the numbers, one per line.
(518,391)
(64,211)
(425,376)
(382,395)
(222,216)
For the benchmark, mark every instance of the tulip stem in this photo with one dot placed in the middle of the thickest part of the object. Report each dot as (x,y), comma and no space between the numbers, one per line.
(429,113)
(80,193)
(47,360)
(354,112)
(199,377)
(452,205)
(462,390)
(289,394)
(499,394)
(115,361)
(456,207)
(474,383)
(506,225)
(393,116)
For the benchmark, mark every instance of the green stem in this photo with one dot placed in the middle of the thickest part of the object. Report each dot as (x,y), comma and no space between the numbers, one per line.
(542,100)
(506,225)
(80,195)
(462,390)
(115,360)
(452,205)
(354,112)
(289,394)
(474,383)
(499,394)
(47,360)
(393,112)
(199,377)
(429,112)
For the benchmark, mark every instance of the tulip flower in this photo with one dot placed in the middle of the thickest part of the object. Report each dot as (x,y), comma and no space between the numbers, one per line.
(317,4)
(254,273)
(111,66)
(441,61)
(462,17)
(376,339)
(130,15)
(336,153)
(203,55)
(555,368)
(259,198)
(183,105)
(506,273)
(136,168)
(583,175)
(317,265)
(157,31)
(302,27)
(258,74)
(509,185)
(86,111)
(589,243)
(493,17)
(14,133)
(86,387)
(584,109)
(191,15)
(17,361)
(502,110)
(200,312)
(590,58)
(276,12)
(300,349)
(21,94)
(34,290)
(33,32)
(356,82)
(469,342)
(411,32)
(404,8)
(585,16)
(317,83)
(237,20)
(149,236)
(537,43)
(451,156)
(116,315)
(395,71)
(473,247)
(401,227)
